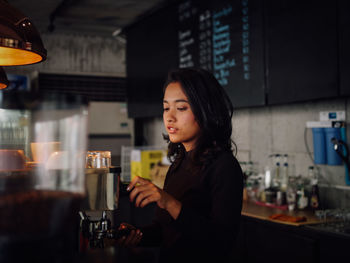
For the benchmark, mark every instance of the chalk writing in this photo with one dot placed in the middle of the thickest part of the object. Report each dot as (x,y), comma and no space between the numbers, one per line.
(184,11)
(186,36)
(222,57)
(205,45)
(245,40)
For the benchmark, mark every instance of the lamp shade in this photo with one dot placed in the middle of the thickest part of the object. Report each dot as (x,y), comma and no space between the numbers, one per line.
(20,42)
(3,79)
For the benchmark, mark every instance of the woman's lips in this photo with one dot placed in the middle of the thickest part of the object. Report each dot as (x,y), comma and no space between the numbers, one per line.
(171,130)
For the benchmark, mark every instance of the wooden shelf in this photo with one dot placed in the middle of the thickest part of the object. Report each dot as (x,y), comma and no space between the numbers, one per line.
(262,212)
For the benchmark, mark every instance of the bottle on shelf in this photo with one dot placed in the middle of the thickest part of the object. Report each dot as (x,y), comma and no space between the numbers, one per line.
(267,177)
(314,197)
(276,181)
(302,200)
(291,195)
(284,174)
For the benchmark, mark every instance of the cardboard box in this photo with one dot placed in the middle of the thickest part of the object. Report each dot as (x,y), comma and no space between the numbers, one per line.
(158,173)
(142,161)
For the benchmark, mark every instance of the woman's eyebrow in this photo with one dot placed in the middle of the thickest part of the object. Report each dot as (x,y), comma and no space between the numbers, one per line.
(179,100)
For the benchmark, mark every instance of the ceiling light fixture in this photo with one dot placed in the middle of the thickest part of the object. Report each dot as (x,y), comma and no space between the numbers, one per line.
(117,34)
(3,79)
(20,42)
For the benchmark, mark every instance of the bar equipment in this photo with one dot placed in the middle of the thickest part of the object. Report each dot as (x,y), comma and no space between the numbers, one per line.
(331,126)
(98,159)
(40,197)
(342,150)
(102,199)
(335,221)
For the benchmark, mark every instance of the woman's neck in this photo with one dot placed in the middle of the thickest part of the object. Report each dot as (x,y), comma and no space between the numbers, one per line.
(188,147)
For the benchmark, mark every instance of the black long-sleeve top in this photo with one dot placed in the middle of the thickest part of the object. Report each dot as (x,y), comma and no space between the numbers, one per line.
(208,223)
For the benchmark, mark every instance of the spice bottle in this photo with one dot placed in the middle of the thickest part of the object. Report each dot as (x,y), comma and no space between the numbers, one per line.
(315,197)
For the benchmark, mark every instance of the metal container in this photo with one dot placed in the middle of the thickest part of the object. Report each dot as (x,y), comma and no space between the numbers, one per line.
(102,189)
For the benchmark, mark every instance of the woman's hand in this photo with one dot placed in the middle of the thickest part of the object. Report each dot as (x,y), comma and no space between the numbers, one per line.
(130,240)
(144,192)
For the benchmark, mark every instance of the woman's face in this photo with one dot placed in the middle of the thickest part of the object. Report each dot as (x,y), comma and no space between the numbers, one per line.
(178,117)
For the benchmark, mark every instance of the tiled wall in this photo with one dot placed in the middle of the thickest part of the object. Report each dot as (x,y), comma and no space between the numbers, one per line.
(280,129)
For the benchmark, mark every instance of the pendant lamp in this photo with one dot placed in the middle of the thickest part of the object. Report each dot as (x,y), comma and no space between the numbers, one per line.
(20,42)
(3,79)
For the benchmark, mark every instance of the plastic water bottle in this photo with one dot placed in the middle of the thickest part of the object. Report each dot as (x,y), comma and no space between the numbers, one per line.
(284,174)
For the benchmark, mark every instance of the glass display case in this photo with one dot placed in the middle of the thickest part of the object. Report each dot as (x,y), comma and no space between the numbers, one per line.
(42,169)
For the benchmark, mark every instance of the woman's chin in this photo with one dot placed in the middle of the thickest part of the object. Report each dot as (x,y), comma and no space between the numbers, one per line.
(173,139)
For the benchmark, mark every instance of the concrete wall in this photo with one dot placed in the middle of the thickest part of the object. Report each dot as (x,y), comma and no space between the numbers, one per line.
(93,56)
(259,132)
(79,54)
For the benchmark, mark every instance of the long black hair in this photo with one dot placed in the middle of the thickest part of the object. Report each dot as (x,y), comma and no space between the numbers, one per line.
(213,111)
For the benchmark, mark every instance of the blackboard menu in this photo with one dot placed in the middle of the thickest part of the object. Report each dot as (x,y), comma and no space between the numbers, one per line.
(261,51)
(301,41)
(150,53)
(225,38)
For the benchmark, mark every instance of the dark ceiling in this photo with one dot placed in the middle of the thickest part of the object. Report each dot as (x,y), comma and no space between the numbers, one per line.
(92,17)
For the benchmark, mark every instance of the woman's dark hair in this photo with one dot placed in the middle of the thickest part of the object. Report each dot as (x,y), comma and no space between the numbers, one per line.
(212,109)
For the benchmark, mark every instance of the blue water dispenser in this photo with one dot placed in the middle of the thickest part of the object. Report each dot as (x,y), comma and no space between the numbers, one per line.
(329,143)
(332,157)
(319,140)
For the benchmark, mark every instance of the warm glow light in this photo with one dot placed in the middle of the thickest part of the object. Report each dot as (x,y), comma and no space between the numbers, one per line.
(15,56)
(20,41)
(4,82)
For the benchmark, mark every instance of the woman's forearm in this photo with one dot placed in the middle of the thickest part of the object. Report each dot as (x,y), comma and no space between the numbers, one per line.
(173,207)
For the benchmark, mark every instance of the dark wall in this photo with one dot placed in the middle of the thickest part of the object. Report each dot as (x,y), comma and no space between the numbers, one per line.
(263,52)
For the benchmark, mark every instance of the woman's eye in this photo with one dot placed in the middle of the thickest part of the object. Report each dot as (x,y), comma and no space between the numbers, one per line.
(165,109)
(182,108)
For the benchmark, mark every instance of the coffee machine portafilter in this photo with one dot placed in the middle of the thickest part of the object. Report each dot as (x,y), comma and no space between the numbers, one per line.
(102,197)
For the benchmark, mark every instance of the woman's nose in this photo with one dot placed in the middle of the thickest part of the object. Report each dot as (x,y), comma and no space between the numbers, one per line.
(169,116)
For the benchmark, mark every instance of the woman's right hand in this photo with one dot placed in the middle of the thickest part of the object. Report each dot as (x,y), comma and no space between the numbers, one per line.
(130,240)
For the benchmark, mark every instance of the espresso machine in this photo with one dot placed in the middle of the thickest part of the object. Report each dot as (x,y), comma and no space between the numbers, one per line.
(101,202)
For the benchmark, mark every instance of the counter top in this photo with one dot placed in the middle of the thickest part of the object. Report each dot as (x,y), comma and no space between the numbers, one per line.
(115,254)
(262,212)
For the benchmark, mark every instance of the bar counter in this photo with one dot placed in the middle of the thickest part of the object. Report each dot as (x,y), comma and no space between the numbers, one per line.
(251,209)
(262,239)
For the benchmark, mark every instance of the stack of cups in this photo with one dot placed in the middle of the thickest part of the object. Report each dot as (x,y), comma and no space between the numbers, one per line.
(324,152)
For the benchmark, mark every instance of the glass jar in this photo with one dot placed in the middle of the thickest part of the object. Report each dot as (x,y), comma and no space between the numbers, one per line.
(98,159)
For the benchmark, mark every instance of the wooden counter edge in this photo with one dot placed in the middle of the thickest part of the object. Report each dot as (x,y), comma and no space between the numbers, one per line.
(253,210)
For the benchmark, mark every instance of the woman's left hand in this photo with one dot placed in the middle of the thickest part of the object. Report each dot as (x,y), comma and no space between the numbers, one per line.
(144,192)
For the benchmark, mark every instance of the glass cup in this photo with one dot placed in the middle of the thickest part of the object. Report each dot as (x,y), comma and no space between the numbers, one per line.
(291,199)
(98,159)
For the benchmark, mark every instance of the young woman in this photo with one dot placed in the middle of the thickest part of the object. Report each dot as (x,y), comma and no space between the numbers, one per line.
(198,211)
